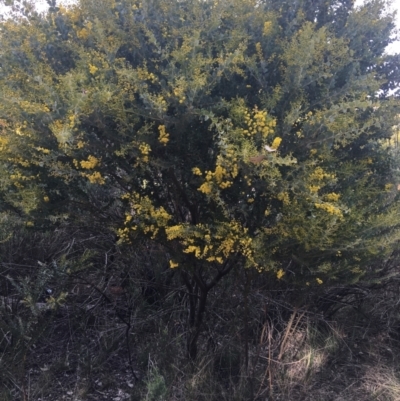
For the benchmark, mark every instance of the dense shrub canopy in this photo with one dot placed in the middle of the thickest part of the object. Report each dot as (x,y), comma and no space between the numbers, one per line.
(236,133)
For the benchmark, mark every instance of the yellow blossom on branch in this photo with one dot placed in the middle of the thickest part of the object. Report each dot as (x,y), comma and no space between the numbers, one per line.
(329,208)
(332,197)
(276,142)
(92,69)
(196,171)
(163,137)
(205,188)
(279,274)
(90,163)
(267,28)
(96,178)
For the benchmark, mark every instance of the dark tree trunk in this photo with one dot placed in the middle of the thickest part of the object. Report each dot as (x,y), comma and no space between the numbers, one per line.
(198,290)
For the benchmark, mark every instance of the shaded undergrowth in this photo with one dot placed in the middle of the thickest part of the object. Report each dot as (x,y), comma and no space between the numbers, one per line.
(114,326)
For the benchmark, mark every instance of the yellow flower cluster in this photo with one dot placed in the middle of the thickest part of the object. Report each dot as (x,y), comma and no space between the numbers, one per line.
(40,149)
(314,188)
(163,137)
(319,174)
(19,177)
(32,107)
(267,28)
(197,171)
(82,33)
(92,69)
(219,173)
(212,247)
(20,161)
(225,171)
(257,122)
(284,197)
(151,218)
(279,274)
(71,119)
(159,103)
(206,188)
(332,197)
(174,232)
(179,92)
(145,75)
(90,163)
(145,151)
(276,142)
(94,178)
(221,176)
(329,208)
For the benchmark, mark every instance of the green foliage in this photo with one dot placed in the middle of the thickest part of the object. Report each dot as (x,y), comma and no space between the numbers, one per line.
(156,387)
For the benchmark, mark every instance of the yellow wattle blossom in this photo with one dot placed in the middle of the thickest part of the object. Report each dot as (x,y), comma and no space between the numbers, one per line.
(329,208)
(276,142)
(145,75)
(92,69)
(174,232)
(195,249)
(145,150)
(173,264)
(225,184)
(205,188)
(279,274)
(332,197)
(96,178)
(267,28)
(314,188)
(319,174)
(258,122)
(196,171)
(82,33)
(43,150)
(219,174)
(90,163)
(319,281)
(46,198)
(72,119)
(284,197)
(163,137)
